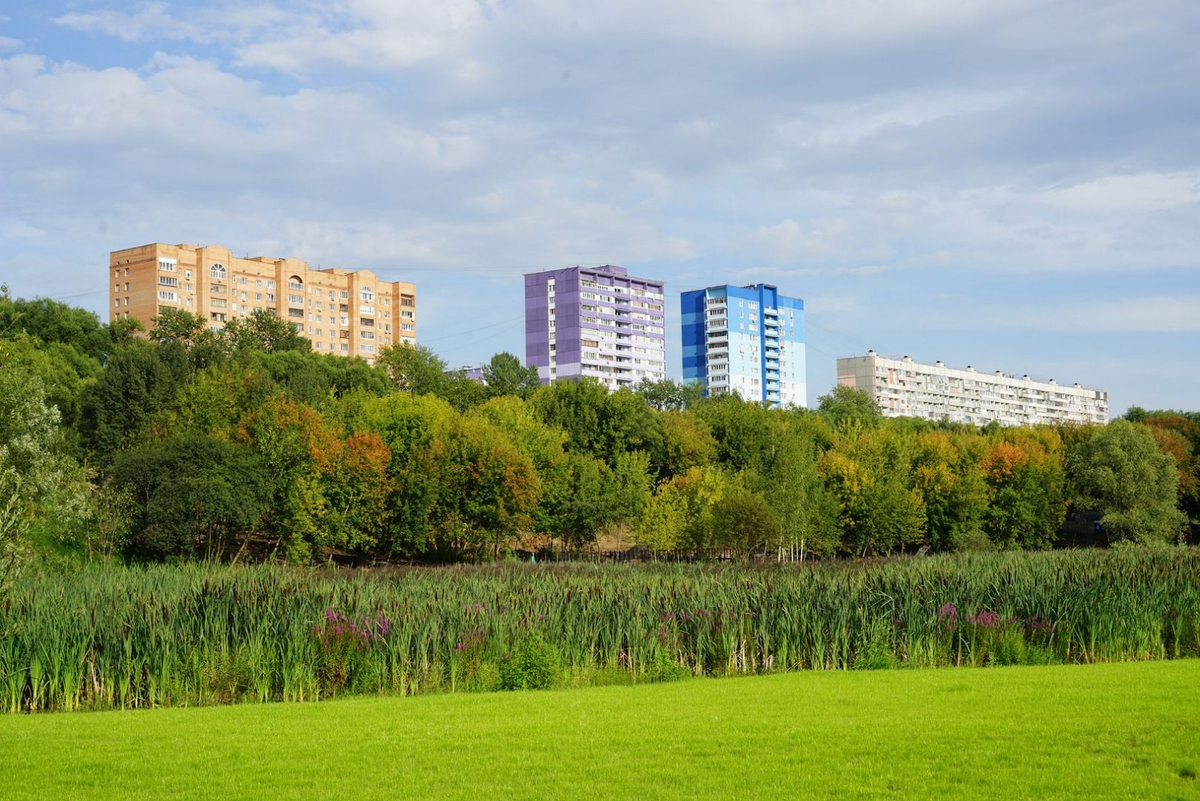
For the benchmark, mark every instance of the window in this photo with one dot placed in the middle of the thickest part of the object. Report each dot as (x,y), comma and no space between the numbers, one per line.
(116,273)
(367,294)
(298,300)
(165,295)
(166,265)
(217,272)
(168,280)
(294,283)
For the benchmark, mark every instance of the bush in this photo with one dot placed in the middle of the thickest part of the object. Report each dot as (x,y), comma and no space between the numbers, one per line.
(663,668)
(534,665)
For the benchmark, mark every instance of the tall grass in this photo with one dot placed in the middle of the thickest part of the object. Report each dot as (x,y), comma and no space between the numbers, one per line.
(112,637)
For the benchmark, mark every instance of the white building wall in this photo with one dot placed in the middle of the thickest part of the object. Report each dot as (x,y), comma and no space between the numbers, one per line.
(906,388)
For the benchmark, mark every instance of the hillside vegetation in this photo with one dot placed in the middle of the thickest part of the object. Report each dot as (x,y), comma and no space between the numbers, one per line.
(184,443)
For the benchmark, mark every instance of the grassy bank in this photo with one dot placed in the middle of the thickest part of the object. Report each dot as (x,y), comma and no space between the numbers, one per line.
(1113,730)
(198,635)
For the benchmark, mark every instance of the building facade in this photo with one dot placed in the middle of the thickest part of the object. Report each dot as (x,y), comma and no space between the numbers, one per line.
(747,340)
(905,388)
(599,323)
(342,312)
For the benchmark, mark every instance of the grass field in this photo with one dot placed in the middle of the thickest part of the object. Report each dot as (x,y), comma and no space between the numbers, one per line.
(1128,730)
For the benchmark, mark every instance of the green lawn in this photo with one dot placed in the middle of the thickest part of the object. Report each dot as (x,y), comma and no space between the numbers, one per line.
(1124,730)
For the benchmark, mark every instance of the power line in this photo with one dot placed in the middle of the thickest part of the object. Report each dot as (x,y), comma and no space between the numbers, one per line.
(471,331)
(474,342)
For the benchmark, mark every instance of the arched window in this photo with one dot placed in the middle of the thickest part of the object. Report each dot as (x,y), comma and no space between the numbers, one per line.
(295,283)
(217,271)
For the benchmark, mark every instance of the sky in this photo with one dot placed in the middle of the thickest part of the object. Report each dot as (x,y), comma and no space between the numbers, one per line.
(1009,184)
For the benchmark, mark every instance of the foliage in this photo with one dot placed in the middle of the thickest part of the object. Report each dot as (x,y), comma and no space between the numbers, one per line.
(533,665)
(197,496)
(401,460)
(415,370)
(41,486)
(1120,472)
(94,639)
(670,396)
(1026,487)
(505,375)
(263,331)
(849,404)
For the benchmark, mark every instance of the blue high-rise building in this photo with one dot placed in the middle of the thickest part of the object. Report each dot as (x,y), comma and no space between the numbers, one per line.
(745,339)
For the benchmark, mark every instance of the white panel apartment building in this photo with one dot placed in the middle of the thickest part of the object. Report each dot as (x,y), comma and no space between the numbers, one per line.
(905,388)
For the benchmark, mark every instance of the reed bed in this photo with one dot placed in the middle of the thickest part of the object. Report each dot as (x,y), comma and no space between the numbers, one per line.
(126,637)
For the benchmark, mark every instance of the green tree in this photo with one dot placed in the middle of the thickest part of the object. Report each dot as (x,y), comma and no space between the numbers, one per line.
(139,381)
(847,403)
(291,439)
(686,441)
(1121,473)
(199,496)
(63,371)
(745,432)
(1026,485)
(949,479)
(742,521)
(505,375)
(806,513)
(49,321)
(667,395)
(416,370)
(263,331)
(41,487)
(598,423)
(870,472)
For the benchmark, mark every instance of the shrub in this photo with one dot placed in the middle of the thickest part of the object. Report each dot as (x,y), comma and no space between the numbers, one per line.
(533,665)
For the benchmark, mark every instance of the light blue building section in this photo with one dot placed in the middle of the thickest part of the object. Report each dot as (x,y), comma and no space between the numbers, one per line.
(747,340)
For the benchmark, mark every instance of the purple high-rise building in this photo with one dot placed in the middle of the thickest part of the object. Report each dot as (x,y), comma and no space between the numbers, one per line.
(599,323)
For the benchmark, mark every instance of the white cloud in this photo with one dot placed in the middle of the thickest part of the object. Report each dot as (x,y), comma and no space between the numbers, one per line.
(149,21)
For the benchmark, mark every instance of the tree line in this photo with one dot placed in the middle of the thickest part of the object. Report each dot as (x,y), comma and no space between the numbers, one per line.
(182,442)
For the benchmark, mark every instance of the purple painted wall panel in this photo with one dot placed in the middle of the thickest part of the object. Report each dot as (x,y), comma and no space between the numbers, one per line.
(567,303)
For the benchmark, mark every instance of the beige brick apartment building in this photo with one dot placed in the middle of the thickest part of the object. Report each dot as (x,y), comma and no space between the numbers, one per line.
(342,312)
